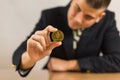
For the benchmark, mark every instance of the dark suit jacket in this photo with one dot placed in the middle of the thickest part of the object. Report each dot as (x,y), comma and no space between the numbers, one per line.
(101,37)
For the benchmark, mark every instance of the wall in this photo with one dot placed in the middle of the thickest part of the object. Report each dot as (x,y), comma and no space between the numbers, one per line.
(18,18)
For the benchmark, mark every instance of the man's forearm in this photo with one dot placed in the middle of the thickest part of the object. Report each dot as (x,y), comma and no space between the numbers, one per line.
(73,65)
(26,62)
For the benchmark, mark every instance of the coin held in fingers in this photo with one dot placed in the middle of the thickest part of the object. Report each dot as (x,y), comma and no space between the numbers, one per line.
(57,36)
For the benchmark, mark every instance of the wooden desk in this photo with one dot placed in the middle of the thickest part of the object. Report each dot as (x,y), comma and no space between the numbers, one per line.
(46,75)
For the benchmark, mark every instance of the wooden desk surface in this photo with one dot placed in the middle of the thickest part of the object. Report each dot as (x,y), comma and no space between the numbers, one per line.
(46,75)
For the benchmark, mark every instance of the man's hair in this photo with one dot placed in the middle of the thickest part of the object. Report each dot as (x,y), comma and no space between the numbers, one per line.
(98,3)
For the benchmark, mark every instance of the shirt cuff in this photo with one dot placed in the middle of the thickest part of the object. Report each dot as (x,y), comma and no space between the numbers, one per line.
(23,72)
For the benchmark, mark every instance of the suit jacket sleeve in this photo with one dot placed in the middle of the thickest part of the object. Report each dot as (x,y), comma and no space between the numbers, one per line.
(110,61)
(16,59)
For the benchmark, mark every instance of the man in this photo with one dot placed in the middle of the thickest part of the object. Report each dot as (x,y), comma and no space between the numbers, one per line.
(98,34)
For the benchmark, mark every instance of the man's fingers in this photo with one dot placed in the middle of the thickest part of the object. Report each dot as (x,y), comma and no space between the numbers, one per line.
(46,31)
(54,45)
(39,39)
(50,29)
(34,44)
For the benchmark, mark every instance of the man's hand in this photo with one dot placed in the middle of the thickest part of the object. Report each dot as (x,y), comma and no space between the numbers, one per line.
(39,46)
(56,64)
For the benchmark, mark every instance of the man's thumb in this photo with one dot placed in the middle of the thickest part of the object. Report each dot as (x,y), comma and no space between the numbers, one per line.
(54,45)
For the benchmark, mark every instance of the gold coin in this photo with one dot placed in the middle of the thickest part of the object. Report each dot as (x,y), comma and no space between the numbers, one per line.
(57,36)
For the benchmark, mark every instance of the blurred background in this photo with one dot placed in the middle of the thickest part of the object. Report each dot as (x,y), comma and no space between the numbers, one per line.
(18,18)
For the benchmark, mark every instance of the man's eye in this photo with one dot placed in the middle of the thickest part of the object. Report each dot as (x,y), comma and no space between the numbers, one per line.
(88,17)
(78,9)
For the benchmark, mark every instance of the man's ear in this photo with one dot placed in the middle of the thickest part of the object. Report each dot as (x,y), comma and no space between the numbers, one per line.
(100,17)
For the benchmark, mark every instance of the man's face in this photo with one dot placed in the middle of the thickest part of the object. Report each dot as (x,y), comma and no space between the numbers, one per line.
(81,15)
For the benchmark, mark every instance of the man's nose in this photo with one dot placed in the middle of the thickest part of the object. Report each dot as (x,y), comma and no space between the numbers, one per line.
(79,18)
